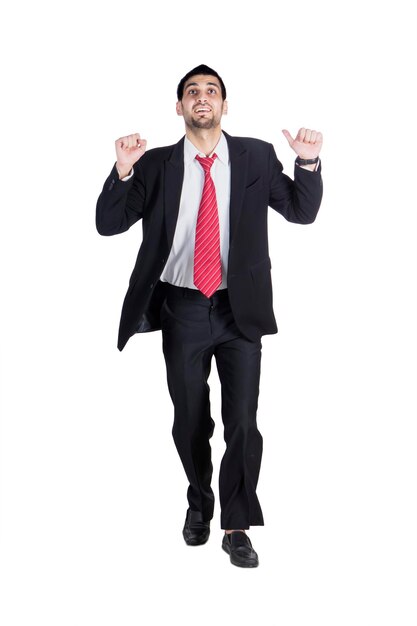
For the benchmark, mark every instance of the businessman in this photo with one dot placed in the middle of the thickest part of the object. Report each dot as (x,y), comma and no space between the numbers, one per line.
(203,276)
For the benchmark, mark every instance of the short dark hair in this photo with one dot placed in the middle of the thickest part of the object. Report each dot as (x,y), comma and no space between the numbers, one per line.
(200,69)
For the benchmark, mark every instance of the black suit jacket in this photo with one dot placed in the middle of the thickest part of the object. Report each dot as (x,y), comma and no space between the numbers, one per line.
(153,195)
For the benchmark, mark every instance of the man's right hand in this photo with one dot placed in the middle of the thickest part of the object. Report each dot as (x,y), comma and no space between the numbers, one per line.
(129,150)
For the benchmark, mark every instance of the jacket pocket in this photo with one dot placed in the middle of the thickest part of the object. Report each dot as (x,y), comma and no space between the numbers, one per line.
(261,265)
(254,186)
(261,275)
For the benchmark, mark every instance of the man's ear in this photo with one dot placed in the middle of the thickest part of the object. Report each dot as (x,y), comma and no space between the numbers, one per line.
(179,107)
(225,107)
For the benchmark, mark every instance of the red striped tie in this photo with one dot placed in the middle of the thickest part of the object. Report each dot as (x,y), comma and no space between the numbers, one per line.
(207,264)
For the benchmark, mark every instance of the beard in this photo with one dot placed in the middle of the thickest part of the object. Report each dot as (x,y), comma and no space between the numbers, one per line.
(202,123)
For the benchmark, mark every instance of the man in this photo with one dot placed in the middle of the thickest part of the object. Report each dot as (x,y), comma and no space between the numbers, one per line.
(202,275)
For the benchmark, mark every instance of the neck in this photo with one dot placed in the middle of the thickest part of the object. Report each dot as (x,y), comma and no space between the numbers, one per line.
(205,140)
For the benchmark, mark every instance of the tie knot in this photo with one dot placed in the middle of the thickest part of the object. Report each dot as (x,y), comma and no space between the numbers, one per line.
(206,162)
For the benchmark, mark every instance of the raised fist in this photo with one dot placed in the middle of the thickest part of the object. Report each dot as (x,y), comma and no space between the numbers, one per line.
(129,150)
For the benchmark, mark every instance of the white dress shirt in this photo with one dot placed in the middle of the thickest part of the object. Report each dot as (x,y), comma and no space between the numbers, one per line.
(179,269)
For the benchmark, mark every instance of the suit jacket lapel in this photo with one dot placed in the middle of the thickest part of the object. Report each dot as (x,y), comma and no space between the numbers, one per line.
(174,176)
(238,172)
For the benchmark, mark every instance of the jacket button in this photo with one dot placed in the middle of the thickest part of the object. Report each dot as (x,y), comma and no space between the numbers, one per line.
(150,286)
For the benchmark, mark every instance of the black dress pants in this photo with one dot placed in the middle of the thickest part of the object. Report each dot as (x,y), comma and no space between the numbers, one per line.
(194,329)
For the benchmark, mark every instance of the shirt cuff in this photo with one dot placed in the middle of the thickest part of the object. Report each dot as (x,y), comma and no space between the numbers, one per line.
(132,171)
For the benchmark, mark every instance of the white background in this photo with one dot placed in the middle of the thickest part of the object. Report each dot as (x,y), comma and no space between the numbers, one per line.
(93,495)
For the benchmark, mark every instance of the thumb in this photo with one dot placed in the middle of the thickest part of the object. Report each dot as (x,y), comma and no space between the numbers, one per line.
(288,136)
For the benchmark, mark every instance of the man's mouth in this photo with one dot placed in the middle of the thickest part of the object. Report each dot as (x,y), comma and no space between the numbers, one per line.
(203,110)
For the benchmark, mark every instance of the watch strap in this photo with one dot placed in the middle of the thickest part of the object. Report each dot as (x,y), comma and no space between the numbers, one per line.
(300,161)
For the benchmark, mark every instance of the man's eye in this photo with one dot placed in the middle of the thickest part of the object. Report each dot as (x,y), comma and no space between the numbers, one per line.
(212,90)
(192,91)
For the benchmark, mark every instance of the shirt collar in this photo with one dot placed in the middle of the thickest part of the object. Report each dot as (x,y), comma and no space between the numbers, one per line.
(221,150)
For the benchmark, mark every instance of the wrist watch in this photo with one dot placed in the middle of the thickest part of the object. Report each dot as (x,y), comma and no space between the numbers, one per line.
(300,161)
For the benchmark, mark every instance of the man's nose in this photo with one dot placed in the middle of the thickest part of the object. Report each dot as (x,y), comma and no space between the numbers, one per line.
(202,99)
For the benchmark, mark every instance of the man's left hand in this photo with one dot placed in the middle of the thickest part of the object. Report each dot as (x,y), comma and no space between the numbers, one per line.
(307,143)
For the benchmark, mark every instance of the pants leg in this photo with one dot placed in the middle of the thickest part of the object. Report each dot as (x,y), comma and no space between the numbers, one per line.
(238,364)
(194,328)
(188,351)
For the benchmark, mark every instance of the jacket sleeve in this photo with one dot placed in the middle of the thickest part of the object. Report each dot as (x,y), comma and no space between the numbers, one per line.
(120,203)
(297,200)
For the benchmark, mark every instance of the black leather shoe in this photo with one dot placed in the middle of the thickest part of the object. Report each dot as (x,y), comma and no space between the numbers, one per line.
(238,545)
(195,531)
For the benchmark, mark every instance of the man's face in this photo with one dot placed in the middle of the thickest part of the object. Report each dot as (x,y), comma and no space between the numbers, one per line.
(202,105)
